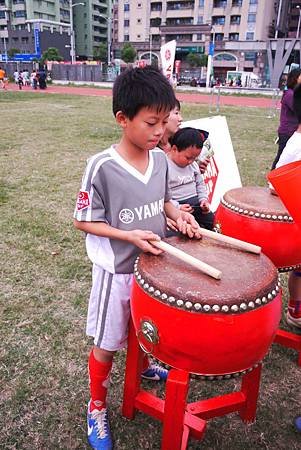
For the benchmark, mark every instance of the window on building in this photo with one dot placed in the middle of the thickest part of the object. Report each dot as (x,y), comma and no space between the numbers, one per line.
(235,20)
(218,20)
(24,39)
(251,18)
(2,15)
(15,39)
(126,38)
(253,2)
(156,7)
(200,20)
(179,21)
(139,5)
(126,7)
(236,2)
(19,14)
(249,36)
(219,36)
(201,3)
(199,37)
(179,5)
(156,22)
(250,56)
(219,3)
(126,23)
(233,36)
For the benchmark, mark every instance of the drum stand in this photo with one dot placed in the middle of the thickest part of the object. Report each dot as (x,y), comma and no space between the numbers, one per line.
(182,420)
(289,340)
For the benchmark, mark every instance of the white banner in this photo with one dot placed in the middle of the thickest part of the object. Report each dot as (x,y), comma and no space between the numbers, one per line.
(222,172)
(167,53)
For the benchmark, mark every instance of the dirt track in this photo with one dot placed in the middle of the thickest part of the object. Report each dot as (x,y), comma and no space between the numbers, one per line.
(193,97)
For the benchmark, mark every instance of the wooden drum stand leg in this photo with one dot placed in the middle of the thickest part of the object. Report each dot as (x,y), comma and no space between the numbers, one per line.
(250,388)
(133,371)
(289,340)
(174,411)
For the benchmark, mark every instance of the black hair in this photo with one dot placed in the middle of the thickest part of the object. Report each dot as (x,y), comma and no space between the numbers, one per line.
(292,78)
(297,102)
(142,87)
(187,137)
(177,104)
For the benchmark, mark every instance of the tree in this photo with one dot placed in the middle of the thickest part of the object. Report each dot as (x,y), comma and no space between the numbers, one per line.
(128,53)
(196,60)
(12,51)
(101,53)
(51,54)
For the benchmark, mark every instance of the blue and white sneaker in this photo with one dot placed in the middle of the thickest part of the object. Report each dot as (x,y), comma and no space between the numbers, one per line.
(155,372)
(99,435)
(297,423)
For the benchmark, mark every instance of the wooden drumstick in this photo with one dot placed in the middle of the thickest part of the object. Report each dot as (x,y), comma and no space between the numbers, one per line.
(206,268)
(242,245)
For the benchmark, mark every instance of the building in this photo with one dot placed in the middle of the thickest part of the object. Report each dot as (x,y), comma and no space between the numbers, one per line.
(19,19)
(239,29)
(91,26)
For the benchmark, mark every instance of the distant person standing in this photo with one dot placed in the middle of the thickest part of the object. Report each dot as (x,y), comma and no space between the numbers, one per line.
(42,78)
(288,119)
(20,80)
(2,78)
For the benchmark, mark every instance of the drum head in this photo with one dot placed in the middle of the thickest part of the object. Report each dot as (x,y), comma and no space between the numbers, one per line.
(246,278)
(255,199)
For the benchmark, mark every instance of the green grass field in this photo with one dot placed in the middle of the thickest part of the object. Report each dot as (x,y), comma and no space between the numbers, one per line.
(45,283)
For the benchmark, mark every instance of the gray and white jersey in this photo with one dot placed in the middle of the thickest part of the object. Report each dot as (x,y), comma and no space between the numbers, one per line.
(116,193)
(186,182)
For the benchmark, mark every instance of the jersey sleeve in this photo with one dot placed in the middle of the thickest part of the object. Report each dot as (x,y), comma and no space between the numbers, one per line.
(90,204)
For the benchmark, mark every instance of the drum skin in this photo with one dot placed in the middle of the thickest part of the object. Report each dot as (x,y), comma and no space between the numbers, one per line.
(206,326)
(254,215)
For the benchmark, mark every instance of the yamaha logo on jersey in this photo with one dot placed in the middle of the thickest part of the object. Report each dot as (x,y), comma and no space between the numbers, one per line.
(142,212)
(126,216)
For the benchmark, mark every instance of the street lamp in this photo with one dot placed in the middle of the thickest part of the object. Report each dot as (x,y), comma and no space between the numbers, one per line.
(72,40)
(210,58)
(298,28)
(109,22)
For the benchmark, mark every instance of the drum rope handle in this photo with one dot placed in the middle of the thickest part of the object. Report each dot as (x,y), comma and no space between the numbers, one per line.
(242,245)
(191,260)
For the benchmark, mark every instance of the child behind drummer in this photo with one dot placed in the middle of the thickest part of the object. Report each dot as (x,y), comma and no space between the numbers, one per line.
(187,185)
(124,195)
(292,152)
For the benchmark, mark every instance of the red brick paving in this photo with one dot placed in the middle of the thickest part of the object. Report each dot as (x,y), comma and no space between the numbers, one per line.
(193,97)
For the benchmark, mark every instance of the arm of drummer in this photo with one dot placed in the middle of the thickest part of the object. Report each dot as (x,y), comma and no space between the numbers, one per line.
(185,221)
(140,238)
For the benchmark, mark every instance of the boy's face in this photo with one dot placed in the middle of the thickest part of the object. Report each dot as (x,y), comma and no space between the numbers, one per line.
(185,157)
(146,129)
(174,121)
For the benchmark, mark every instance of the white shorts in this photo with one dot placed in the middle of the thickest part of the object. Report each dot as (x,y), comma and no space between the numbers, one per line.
(109,309)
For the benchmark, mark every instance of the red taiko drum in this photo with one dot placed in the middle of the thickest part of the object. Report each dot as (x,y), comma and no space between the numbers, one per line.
(190,321)
(254,215)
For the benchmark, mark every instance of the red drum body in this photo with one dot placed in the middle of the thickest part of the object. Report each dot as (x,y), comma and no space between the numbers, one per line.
(214,328)
(254,215)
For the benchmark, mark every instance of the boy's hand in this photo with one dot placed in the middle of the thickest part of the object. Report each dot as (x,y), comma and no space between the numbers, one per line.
(205,205)
(141,239)
(187,224)
(186,207)
(171,224)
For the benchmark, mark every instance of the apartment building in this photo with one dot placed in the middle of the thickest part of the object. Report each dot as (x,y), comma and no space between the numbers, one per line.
(19,18)
(91,26)
(239,29)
